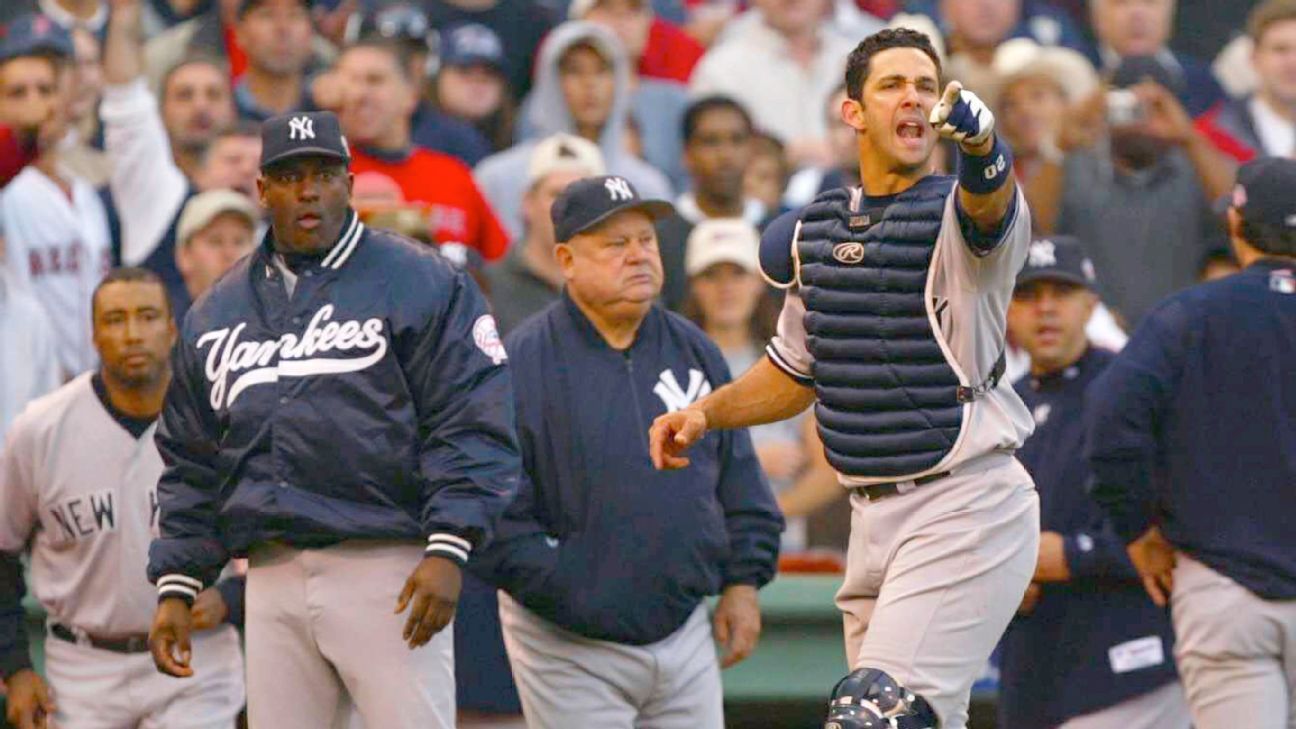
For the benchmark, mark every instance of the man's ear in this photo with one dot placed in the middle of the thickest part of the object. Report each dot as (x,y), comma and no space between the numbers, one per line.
(566,259)
(852,113)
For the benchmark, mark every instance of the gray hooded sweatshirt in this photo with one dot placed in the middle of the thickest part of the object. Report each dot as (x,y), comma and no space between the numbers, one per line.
(502,177)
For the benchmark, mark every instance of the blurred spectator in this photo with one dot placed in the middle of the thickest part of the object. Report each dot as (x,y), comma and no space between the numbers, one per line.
(275,35)
(1087,649)
(844,149)
(378,98)
(57,240)
(470,84)
(767,173)
(717,152)
(433,128)
(216,228)
(783,70)
(82,152)
(846,18)
(582,88)
(657,48)
(160,15)
(196,104)
(528,279)
(29,364)
(1140,194)
(1217,264)
(147,184)
(976,27)
(1040,86)
(520,24)
(727,299)
(212,33)
(1263,123)
(89,15)
(1134,28)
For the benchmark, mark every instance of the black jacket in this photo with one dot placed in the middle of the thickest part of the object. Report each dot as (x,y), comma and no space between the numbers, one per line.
(598,541)
(372,404)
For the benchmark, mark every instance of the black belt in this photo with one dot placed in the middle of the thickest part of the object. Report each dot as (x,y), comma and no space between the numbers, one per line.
(129,644)
(876,491)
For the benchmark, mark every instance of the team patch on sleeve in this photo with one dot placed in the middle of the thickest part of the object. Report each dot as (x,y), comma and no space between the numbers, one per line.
(486,337)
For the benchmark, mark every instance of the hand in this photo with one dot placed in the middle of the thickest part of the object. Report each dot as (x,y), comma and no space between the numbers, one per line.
(28,701)
(433,589)
(124,13)
(209,610)
(327,90)
(737,623)
(1030,599)
(1166,118)
(332,23)
(169,638)
(1154,559)
(672,434)
(781,460)
(1052,565)
(963,117)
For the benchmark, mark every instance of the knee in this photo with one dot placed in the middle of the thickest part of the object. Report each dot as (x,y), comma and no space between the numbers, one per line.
(869,698)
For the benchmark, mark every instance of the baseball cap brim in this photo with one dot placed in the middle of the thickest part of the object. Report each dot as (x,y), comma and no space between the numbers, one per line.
(305,152)
(656,209)
(1052,274)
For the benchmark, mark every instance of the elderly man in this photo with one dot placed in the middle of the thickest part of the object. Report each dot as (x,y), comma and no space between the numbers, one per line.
(605,561)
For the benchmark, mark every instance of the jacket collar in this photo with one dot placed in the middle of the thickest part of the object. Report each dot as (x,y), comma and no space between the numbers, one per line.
(337,256)
(1079,371)
(587,330)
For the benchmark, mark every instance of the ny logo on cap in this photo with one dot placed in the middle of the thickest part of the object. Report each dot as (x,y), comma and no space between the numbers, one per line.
(618,188)
(301,127)
(1043,253)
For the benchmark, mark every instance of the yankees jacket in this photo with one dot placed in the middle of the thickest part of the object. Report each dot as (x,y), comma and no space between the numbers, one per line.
(1097,640)
(598,541)
(372,403)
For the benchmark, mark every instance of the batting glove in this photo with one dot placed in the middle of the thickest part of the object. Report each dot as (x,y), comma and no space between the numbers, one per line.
(962,116)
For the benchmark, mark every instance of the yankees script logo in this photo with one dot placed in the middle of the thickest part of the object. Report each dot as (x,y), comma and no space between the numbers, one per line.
(677,398)
(234,366)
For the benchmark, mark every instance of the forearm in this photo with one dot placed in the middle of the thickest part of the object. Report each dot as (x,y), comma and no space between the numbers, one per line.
(764,394)
(1217,172)
(986,210)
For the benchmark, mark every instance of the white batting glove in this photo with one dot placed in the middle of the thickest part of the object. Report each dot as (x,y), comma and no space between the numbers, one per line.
(962,116)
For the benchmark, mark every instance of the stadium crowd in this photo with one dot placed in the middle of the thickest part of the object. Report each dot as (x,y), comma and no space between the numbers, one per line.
(129,136)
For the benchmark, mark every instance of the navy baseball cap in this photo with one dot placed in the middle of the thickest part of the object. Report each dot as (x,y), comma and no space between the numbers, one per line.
(407,23)
(1057,258)
(302,134)
(34,34)
(1134,70)
(587,202)
(471,44)
(1264,192)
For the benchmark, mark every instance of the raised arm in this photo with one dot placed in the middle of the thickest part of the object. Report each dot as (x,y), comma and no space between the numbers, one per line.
(987,188)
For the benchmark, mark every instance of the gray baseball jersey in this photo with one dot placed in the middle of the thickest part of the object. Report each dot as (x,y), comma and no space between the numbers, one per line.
(81,488)
(970,296)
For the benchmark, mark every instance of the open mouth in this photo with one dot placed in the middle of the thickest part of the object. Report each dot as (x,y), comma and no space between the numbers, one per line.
(911,131)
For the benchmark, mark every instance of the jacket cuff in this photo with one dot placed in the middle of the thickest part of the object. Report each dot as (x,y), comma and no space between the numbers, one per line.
(14,660)
(231,591)
(449,546)
(177,585)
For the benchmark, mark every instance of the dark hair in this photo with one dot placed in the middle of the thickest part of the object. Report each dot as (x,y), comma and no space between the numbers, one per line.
(130,274)
(239,128)
(857,64)
(206,59)
(1269,14)
(696,110)
(1272,239)
(764,318)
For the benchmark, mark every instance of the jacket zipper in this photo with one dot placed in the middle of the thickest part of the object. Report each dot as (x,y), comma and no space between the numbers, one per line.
(634,397)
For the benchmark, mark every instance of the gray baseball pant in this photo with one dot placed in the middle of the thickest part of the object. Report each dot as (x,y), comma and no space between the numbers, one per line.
(1236,652)
(566,680)
(322,635)
(1161,708)
(934,575)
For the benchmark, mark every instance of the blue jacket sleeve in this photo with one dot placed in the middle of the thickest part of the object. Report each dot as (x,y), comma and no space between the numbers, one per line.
(753,520)
(231,590)
(1125,407)
(464,398)
(188,554)
(1097,554)
(13,635)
